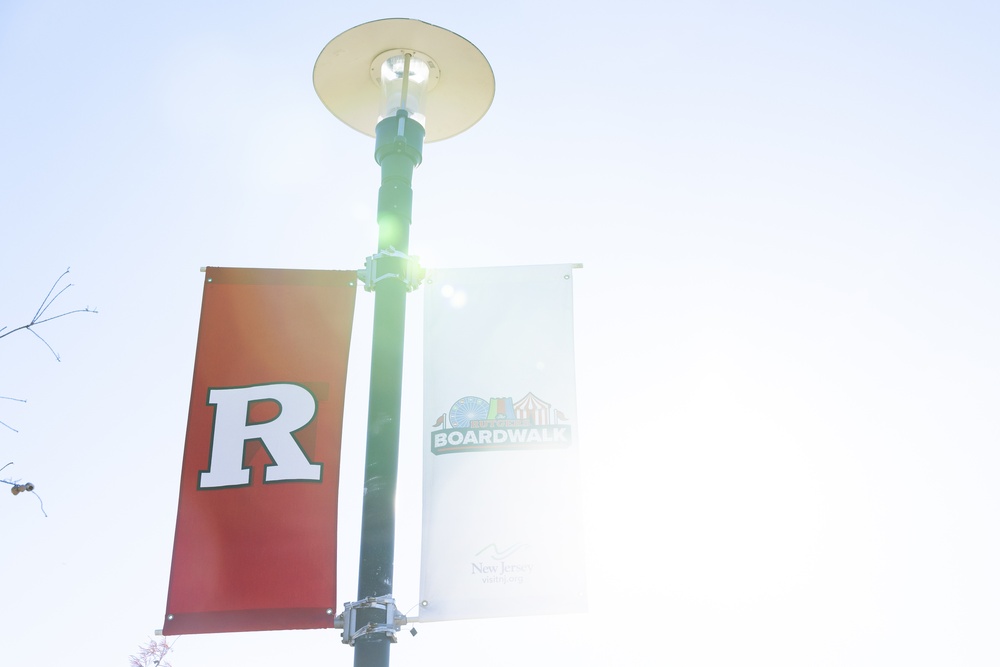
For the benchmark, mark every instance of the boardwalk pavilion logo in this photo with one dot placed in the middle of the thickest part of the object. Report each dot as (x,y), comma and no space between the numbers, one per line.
(475,424)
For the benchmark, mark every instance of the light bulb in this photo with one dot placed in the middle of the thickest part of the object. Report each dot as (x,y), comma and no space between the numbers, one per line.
(404,79)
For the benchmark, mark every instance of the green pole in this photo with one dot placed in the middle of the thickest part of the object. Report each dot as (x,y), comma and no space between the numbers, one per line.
(398,151)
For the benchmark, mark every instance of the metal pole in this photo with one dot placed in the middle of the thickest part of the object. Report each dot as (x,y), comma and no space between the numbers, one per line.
(398,150)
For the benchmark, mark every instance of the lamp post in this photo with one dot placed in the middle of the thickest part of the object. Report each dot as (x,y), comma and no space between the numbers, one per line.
(403,82)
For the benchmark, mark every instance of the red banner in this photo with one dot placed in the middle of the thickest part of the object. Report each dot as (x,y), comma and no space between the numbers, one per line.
(256,541)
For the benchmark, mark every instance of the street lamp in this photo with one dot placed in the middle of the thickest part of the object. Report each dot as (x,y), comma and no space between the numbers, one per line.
(403,82)
(459,89)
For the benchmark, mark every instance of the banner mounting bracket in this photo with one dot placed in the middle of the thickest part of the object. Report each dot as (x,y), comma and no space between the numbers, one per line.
(391,263)
(348,619)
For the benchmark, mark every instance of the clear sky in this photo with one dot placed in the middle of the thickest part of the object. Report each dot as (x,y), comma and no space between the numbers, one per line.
(786,327)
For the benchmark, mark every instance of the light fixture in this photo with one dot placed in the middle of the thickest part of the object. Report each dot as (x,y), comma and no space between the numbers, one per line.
(371,71)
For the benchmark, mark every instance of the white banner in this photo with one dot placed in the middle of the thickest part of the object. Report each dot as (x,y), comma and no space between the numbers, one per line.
(502,524)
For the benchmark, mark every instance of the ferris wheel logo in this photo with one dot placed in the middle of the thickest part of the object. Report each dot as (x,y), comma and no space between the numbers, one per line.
(475,423)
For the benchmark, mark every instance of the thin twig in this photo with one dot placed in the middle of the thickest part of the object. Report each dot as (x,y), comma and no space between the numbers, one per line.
(2,423)
(35,494)
(54,353)
(34,323)
(152,653)
(47,302)
(56,317)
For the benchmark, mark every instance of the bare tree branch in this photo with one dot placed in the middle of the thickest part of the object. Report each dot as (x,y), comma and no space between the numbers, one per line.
(38,319)
(10,398)
(54,353)
(17,487)
(41,504)
(49,299)
(151,654)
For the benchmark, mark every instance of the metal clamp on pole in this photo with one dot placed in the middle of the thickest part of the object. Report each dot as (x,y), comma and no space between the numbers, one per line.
(348,620)
(391,264)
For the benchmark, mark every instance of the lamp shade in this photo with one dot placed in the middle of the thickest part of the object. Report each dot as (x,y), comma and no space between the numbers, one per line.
(348,75)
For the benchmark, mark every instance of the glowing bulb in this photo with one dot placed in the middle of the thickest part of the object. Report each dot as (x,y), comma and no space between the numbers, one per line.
(394,67)
(405,78)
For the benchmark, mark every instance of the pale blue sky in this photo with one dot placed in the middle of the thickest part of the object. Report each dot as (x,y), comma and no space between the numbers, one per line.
(787,322)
